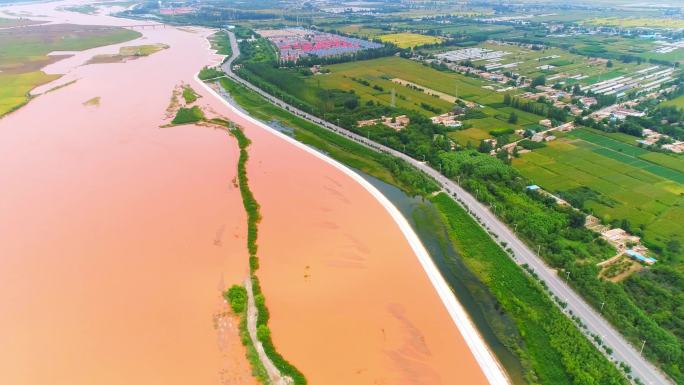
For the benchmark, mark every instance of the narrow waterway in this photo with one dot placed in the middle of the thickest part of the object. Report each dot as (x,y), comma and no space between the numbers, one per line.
(471,293)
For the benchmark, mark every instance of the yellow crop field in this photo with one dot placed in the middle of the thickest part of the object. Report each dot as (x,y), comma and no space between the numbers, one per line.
(409,40)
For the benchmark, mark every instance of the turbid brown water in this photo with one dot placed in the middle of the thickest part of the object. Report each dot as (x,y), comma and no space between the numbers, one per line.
(117,238)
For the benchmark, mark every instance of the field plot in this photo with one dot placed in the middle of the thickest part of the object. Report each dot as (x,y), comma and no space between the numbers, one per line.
(556,64)
(360,30)
(24,51)
(631,22)
(409,40)
(415,84)
(615,47)
(630,182)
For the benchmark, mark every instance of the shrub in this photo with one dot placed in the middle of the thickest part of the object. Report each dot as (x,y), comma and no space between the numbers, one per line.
(237,298)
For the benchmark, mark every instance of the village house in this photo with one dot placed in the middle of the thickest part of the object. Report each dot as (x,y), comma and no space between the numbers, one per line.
(448,119)
(397,123)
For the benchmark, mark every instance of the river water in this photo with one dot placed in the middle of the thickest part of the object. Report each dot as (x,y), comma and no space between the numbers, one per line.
(472,294)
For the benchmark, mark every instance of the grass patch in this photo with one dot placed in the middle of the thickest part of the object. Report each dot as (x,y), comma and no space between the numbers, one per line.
(189,95)
(23,55)
(128,53)
(210,73)
(188,115)
(221,43)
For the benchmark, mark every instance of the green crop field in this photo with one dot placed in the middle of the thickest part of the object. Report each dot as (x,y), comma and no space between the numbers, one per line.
(380,72)
(360,30)
(644,187)
(677,102)
(372,80)
(23,55)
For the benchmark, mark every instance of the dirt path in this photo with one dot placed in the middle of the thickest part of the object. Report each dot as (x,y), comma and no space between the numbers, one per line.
(273,373)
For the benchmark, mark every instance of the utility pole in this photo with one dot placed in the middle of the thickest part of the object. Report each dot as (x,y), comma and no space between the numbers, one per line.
(516,228)
(538,249)
(567,275)
(642,347)
(602,304)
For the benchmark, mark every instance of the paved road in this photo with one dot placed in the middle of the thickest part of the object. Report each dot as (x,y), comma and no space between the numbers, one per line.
(596,324)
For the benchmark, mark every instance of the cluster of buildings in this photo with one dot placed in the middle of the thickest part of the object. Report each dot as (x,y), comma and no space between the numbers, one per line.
(626,244)
(559,99)
(472,54)
(616,112)
(447,119)
(644,80)
(397,122)
(651,137)
(295,43)
(667,47)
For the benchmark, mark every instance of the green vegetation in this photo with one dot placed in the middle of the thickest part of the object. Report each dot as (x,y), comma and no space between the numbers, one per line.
(631,183)
(237,298)
(221,43)
(189,94)
(253,216)
(565,244)
(207,73)
(258,370)
(128,53)
(188,115)
(23,55)
(556,350)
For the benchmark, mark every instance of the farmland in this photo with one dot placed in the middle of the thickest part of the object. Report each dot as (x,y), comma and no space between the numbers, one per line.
(638,22)
(22,56)
(644,187)
(555,64)
(409,40)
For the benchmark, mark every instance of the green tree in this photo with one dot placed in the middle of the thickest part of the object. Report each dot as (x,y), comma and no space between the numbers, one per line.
(513,118)
(237,298)
(538,81)
(485,147)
